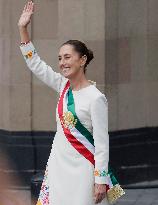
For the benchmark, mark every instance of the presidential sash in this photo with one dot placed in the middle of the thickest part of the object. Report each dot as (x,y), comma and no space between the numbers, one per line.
(82,140)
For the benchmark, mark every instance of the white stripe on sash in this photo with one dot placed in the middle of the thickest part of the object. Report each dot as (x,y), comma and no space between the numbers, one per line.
(109,181)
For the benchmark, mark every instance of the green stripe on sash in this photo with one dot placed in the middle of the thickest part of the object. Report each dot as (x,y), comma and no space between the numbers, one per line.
(112,177)
(78,126)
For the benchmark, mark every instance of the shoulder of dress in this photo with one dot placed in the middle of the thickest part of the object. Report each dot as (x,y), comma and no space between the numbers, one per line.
(97,94)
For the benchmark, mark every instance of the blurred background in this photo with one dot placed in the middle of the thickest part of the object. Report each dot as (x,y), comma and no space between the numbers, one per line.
(123,35)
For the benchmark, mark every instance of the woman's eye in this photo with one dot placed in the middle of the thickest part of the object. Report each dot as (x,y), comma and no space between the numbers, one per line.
(65,58)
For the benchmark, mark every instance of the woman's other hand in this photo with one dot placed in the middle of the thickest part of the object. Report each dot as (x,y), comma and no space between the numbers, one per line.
(26,14)
(99,192)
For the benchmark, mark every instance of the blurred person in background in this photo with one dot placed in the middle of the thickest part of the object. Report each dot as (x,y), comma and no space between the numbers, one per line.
(9,196)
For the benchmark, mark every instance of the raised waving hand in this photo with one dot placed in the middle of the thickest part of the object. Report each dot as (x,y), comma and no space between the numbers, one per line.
(27,12)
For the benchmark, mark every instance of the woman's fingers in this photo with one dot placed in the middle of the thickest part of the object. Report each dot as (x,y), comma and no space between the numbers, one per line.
(26,14)
(32,7)
(24,8)
(99,193)
(99,197)
(29,7)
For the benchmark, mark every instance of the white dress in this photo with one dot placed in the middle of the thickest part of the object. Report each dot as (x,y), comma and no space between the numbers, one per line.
(69,176)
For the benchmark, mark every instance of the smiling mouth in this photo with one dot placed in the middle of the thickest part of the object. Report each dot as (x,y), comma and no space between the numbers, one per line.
(66,69)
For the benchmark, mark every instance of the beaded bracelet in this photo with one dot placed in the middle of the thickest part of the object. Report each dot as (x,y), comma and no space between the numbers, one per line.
(24,43)
(100,173)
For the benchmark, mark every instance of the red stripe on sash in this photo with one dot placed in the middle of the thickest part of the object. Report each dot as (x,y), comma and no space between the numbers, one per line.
(75,143)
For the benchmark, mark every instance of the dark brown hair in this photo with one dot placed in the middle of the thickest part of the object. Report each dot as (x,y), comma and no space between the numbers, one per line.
(82,49)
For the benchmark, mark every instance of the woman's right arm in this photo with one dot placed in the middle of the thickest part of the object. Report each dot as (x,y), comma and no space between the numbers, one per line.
(43,71)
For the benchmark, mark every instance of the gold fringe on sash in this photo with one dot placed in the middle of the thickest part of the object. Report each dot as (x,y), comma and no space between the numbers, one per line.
(114,193)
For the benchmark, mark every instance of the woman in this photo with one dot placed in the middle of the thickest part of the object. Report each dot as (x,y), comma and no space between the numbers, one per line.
(77,171)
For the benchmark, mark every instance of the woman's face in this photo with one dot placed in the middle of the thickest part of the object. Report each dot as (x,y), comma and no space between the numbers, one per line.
(70,61)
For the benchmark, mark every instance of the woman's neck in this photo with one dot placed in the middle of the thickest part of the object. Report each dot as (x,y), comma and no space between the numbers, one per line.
(79,82)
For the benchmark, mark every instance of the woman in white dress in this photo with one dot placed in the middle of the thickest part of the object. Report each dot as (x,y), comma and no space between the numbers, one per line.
(77,171)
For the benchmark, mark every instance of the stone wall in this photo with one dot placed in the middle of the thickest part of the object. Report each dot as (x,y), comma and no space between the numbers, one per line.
(123,36)
(131,74)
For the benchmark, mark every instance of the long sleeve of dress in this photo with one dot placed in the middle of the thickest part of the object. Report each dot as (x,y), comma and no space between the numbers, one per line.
(39,67)
(99,117)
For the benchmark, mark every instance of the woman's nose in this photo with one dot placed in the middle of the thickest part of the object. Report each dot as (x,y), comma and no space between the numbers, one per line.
(62,62)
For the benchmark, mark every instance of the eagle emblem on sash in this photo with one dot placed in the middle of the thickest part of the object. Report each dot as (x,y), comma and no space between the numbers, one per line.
(68,120)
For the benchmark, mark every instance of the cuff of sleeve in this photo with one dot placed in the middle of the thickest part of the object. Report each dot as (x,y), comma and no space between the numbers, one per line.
(101,180)
(28,50)
(101,177)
